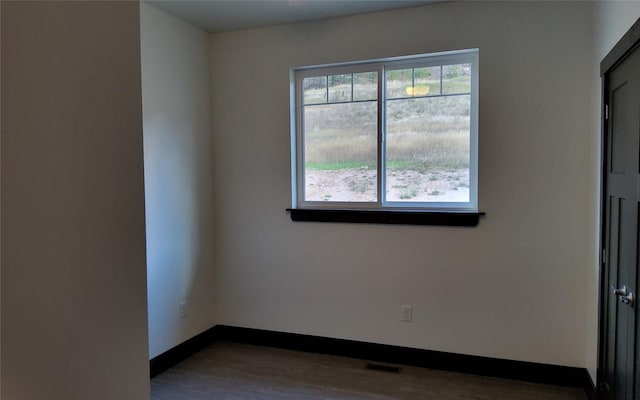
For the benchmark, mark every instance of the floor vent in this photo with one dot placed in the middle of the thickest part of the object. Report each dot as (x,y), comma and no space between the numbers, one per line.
(383,368)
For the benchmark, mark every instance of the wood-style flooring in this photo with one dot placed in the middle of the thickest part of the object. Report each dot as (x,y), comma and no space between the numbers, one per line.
(230,371)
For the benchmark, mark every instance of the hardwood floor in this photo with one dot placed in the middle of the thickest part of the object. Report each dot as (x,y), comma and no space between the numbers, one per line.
(230,371)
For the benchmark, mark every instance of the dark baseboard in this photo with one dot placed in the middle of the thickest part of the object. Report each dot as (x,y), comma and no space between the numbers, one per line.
(526,371)
(589,388)
(184,350)
(486,366)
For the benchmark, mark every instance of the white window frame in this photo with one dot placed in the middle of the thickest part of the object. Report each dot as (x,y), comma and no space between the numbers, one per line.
(467,56)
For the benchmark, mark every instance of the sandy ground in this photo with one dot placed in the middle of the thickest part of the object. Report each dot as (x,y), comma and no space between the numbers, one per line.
(404,185)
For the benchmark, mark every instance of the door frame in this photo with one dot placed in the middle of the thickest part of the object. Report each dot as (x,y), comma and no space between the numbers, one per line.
(625,46)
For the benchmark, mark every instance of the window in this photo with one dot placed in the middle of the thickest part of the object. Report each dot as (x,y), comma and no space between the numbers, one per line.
(393,134)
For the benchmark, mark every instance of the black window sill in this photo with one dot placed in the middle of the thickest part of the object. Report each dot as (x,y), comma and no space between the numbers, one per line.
(398,217)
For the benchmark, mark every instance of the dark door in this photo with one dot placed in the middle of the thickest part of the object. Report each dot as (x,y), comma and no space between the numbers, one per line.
(620,225)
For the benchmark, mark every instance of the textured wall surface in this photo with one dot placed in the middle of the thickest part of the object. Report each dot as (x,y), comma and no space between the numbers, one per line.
(74,315)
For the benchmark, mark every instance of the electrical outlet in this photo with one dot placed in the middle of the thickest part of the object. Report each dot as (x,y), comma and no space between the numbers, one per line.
(183,309)
(407,313)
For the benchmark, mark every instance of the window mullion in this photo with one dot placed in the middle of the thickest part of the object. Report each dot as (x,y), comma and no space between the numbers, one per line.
(382,193)
(352,99)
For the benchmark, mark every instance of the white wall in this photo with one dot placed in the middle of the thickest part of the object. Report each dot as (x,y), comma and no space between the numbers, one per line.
(74,322)
(612,19)
(0,205)
(178,178)
(514,287)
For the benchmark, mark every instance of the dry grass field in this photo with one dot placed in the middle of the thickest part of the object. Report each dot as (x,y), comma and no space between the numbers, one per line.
(427,148)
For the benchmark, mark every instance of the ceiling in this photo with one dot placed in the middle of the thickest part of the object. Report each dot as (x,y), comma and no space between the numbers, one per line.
(229,15)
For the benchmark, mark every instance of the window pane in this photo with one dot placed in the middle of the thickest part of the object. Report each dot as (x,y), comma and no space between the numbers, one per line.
(315,90)
(456,78)
(399,83)
(339,88)
(426,81)
(427,151)
(365,86)
(340,152)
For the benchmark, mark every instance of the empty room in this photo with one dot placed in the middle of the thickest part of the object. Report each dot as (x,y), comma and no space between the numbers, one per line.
(319,199)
